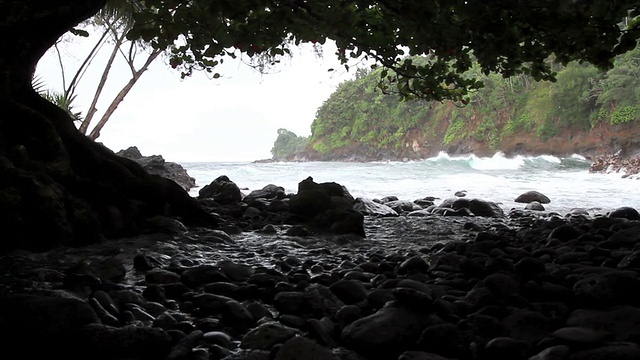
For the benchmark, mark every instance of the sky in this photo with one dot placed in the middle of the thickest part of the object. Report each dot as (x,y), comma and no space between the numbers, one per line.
(198,119)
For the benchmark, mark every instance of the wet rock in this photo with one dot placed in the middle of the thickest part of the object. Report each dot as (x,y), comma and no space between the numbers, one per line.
(268,192)
(580,337)
(534,205)
(266,336)
(558,352)
(54,321)
(447,340)
(528,326)
(236,315)
(222,190)
(155,164)
(236,272)
(413,264)
(420,355)
(504,348)
(531,196)
(160,276)
(217,338)
(106,342)
(609,288)
(107,269)
(369,207)
(625,212)
(290,302)
(610,352)
(476,207)
(386,332)
(349,291)
(185,345)
(203,274)
(166,224)
(565,232)
(402,206)
(621,321)
(302,348)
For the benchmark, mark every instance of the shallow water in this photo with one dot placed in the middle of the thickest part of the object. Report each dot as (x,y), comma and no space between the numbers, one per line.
(566,181)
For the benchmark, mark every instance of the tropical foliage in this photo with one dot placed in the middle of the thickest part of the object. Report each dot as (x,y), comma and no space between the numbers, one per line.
(287,144)
(113,22)
(582,98)
(453,36)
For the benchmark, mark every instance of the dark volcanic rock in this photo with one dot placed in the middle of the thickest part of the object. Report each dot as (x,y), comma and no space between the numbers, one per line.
(531,196)
(477,207)
(370,207)
(221,190)
(155,164)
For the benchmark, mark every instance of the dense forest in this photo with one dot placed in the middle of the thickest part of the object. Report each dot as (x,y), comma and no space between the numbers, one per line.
(585,110)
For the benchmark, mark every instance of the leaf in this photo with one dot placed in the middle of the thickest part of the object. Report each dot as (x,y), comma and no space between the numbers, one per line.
(79,32)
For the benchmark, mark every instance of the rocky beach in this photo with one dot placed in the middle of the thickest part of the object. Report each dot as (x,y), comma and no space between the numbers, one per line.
(286,278)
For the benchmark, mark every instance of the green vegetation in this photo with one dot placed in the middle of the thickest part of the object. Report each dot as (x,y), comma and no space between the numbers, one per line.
(360,113)
(287,144)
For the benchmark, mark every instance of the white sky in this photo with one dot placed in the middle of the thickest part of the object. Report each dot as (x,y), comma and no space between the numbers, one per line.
(233,118)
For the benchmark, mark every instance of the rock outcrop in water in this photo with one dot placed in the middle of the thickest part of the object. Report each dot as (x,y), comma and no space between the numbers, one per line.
(616,163)
(320,208)
(155,164)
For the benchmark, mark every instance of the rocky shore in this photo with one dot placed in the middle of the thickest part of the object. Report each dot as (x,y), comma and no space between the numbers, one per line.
(616,163)
(157,165)
(456,280)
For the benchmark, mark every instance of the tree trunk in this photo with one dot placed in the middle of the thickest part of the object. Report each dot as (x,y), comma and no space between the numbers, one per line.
(56,185)
(103,80)
(95,133)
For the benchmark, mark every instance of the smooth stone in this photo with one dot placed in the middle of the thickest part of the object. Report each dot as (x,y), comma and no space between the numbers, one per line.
(610,352)
(129,341)
(267,335)
(575,335)
(621,321)
(183,348)
(217,338)
(300,347)
(386,332)
(558,352)
(420,355)
(161,276)
(349,291)
(532,195)
(236,272)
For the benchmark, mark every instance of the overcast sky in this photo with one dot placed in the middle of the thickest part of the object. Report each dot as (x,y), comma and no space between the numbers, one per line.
(234,118)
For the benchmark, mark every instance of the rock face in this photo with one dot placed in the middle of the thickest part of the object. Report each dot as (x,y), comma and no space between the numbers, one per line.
(325,208)
(155,164)
(616,163)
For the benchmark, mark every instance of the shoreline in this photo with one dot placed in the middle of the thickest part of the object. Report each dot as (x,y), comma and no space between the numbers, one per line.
(444,287)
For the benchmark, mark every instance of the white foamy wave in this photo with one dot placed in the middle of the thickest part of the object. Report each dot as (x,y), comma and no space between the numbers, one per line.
(578,157)
(550,158)
(497,162)
(441,156)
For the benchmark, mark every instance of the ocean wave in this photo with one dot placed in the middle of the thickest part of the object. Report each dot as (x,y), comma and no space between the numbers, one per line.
(499,161)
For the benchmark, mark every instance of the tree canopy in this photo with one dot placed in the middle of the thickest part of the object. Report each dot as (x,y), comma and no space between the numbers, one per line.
(503,36)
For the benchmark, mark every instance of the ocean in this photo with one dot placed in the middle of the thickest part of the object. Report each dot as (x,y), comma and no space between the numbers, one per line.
(566,181)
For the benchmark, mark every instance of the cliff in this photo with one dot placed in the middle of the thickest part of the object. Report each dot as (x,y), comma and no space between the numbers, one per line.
(587,112)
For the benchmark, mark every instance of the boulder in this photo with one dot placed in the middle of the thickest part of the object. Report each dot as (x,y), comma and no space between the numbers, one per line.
(625,212)
(477,207)
(221,190)
(386,333)
(532,195)
(156,165)
(325,208)
(268,192)
(369,207)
